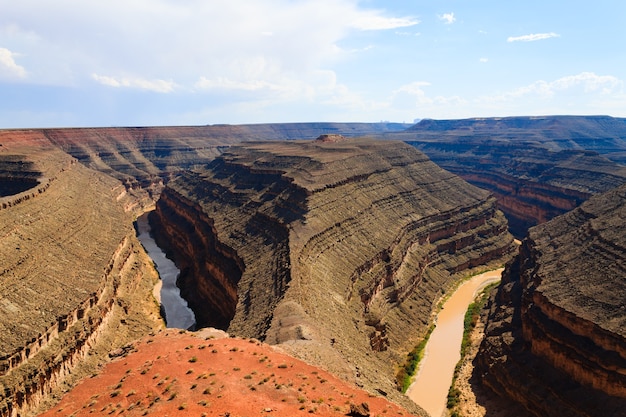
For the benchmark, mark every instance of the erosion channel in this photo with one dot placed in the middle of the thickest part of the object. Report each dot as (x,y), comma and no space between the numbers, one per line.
(177,313)
(436,370)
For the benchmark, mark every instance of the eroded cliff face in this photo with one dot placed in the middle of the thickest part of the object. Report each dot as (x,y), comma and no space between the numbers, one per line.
(556,339)
(74,283)
(336,250)
(144,158)
(537,167)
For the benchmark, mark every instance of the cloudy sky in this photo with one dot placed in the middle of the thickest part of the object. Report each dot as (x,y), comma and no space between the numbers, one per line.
(176,62)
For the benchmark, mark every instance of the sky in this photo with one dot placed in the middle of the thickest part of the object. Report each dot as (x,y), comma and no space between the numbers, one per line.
(81,63)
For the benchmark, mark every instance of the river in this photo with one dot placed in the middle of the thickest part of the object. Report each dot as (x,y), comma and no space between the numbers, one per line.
(177,314)
(443,350)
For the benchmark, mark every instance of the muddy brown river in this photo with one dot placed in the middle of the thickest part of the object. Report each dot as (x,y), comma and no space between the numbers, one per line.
(443,350)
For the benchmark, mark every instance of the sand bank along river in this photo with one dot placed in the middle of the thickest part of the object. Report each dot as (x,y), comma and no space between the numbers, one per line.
(177,314)
(443,350)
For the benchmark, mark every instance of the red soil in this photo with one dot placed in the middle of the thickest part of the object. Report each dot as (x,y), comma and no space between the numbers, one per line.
(179,373)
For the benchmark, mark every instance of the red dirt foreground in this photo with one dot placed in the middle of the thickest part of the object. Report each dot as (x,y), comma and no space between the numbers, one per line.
(178,373)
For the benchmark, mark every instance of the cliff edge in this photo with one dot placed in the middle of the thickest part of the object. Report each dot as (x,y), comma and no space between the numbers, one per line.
(536,167)
(556,336)
(335,250)
(74,282)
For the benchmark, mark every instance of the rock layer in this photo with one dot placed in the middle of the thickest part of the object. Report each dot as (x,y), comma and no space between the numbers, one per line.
(69,266)
(147,156)
(337,250)
(556,338)
(537,167)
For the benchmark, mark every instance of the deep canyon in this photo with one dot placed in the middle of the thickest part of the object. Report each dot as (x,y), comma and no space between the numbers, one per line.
(336,250)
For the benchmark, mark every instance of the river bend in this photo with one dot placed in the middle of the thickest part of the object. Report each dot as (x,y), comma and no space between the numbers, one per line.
(177,314)
(443,350)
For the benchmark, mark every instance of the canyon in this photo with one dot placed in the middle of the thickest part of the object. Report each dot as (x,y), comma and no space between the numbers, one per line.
(336,250)
(555,339)
(71,278)
(537,167)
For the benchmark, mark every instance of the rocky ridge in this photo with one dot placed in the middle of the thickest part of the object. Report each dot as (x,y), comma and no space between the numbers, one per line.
(335,250)
(559,318)
(145,157)
(71,277)
(537,167)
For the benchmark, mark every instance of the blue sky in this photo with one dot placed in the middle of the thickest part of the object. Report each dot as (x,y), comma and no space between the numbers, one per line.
(195,62)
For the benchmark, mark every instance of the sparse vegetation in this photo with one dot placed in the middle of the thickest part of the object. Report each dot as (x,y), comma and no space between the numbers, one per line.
(469,323)
(407,371)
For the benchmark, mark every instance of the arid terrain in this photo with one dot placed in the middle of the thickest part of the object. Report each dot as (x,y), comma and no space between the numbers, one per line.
(537,167)
(177,373)
(270,247)
(558,316)
(333,251)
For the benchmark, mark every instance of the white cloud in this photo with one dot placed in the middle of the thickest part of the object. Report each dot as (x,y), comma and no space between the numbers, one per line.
(8,67)
(448,18)
(415,96)
(483,60)
(532,37)
(221,83)
(581,88)
(72,39)
(374,21)
(583,93)
(591,82)
(158,86)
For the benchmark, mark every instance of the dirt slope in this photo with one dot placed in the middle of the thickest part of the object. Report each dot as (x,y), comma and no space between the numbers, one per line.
(180,373)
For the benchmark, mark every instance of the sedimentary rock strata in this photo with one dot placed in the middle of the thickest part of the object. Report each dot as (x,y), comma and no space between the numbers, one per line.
(537,167)
(147,156)
(556,337)
(70,276)
(336,250)
(17,175)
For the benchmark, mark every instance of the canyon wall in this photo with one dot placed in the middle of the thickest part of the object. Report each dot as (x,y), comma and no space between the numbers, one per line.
(335,250)
(556,336)
(145,157)
(537,167)
(74,283)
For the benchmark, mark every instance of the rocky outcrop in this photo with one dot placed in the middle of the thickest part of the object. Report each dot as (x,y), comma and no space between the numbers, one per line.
(556,338)
(17,175)
(336,250)
(537,167)
(71,280)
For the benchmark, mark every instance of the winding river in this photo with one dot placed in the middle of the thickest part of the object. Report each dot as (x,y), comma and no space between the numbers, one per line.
(177,314)
(443,350)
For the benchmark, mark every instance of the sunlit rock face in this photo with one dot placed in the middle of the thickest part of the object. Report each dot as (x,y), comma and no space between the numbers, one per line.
(73,282)
(336,249)
(536,167)
(556,336)
(147,156)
